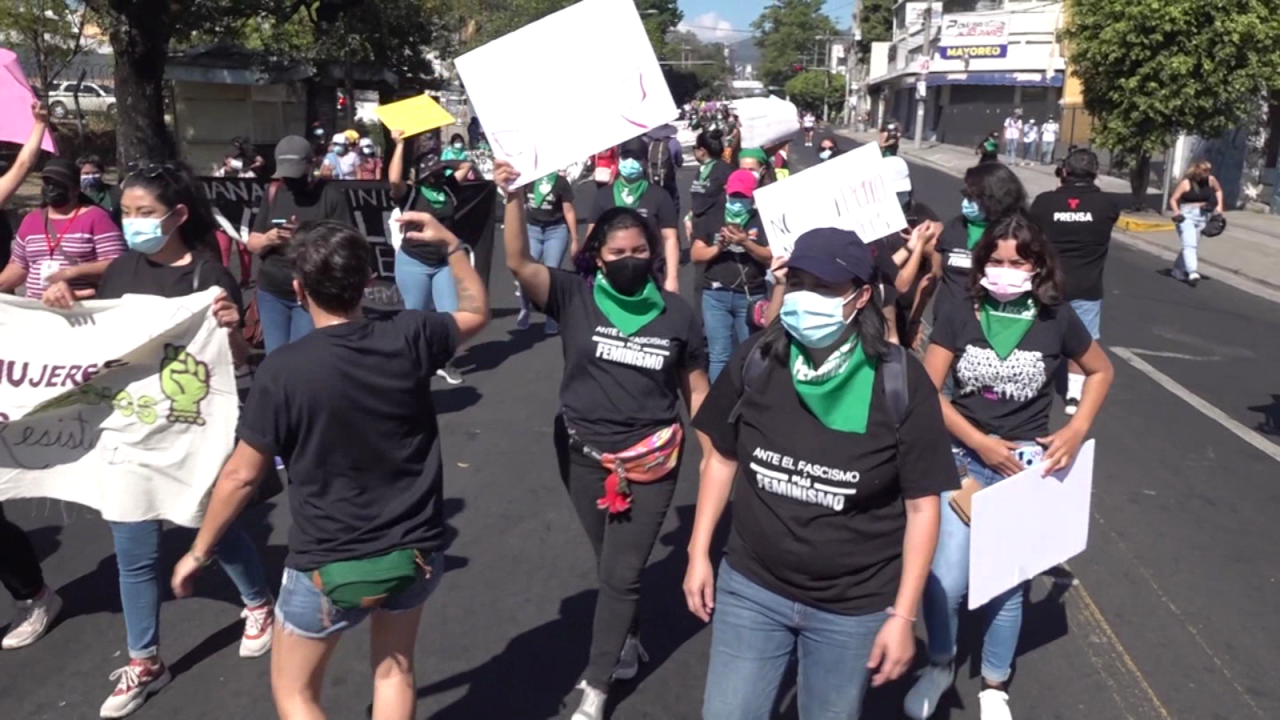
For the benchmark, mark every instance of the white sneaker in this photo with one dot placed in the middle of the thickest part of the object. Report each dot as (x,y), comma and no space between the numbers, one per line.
(450,375)
(259,629)
(522,320)
(32,619)
(1193,278)
(629,661)
(922,701)
(137,681)
(592,705)
(994,705)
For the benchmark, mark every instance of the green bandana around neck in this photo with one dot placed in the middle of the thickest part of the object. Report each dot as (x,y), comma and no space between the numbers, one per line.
(628,313)
(437,197)
(839,392)
(705,170)
(542,188)
(976,228)
(990,146)
(627,194)
(1005,324)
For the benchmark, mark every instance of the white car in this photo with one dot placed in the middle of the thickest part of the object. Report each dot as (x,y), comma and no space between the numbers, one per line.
(94,98)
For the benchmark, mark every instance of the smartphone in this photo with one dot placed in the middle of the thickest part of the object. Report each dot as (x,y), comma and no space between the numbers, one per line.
(279,222)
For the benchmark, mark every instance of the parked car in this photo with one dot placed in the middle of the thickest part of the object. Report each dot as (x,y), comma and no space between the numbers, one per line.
(94,98)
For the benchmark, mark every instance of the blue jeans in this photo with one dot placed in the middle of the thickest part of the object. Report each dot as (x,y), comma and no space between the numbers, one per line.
(1030,151)
(1011,149)
(948,580)
(753,635)
(1046,151)
(724,317)
(425,287)
(305,611)
(283,320)
(1194,219)
(1090,313)
(548,246)
(137,547)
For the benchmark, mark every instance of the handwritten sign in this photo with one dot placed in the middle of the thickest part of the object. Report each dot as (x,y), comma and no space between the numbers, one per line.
(1026,524)
(849,193)
(16,96)
(127,406)
(540,127)
(414,116)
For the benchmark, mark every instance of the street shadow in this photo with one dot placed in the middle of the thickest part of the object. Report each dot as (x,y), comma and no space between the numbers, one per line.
(1168,273)
(491,354)
(1270,423)
(452,507)
(454,398)
(45,540)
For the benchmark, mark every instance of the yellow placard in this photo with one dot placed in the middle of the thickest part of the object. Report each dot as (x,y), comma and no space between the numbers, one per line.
(415,115)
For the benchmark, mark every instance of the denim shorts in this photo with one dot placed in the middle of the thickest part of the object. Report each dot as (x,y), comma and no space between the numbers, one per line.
(1090,313)
(305,611)
(969,463)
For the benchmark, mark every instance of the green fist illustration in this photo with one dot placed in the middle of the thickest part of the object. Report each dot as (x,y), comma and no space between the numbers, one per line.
(185,381)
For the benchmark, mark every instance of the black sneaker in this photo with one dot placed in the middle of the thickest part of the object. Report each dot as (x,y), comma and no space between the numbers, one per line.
(450,375)
(1072,406)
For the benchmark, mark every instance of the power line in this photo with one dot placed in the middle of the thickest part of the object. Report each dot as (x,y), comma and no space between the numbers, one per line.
(719,29)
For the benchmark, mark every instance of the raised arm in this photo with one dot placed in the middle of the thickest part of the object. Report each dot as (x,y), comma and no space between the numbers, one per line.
(533,276)
(26,158)
(395,166)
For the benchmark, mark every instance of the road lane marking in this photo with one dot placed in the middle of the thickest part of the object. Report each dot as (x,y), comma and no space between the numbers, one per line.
(1174,355)
(1168,383)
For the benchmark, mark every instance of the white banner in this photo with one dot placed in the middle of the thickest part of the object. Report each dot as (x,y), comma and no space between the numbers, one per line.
(766,120)
(849,193)
(127,406)
(539,124)
(960,29)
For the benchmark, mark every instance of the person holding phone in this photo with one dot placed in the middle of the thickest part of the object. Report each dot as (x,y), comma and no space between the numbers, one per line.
(292,198)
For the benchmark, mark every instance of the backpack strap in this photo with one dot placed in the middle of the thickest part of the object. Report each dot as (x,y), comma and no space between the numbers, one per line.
(894,376)
(753,370)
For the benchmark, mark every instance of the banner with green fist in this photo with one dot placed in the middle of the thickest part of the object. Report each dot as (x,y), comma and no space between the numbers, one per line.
(127,406)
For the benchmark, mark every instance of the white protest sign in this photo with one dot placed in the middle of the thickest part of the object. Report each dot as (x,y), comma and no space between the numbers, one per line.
(1026,524)
(849,193)
(127,406)
(540,125)
(766,120)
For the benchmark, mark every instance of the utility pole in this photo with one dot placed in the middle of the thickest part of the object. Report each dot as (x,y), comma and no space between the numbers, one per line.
(922,88)
(851,66)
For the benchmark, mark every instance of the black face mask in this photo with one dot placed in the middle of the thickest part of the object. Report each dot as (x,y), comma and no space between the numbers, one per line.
(55,195)
(628,275)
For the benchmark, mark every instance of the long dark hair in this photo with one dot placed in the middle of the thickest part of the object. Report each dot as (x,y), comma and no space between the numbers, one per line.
(174,184)
(611,221)
(869,325)
(1046,284)
(711,141)
(996,190)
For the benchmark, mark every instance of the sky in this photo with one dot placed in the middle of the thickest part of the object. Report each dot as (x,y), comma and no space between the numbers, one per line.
(725,20)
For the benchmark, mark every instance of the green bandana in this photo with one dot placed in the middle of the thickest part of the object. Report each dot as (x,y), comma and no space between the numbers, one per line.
(754,154)
(705,170)
(437,197)
(839,392)
(628,194)
(990,146)
(628,313)
(542,188)
(1005,324)
(976,229)
(452,153)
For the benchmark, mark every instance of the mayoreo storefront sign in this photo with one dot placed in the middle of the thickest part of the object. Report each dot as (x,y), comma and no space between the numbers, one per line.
(973,35)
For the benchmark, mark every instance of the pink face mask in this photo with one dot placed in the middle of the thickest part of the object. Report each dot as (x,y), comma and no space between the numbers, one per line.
(1005,284)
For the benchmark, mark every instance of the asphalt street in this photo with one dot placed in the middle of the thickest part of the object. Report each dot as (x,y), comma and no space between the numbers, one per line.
(1170,613)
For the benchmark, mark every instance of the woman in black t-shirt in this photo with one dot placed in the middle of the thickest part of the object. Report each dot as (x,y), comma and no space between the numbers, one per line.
(1003,349)
(631,351)
(169,227)
(735,258)
(553,229)
(836,446)
(632,189)
(706,194)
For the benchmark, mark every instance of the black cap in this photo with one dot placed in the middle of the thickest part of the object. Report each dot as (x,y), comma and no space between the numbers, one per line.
(835,256)
(429,163)
(63,172)
(293,157)
(635,148)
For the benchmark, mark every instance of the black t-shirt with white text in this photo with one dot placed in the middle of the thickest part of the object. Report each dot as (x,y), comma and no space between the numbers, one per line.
(655,206)
(133,273)
(551,212)
(348,408)
(315,202)
(617,389)
(707,197)
(735,268)
(957,263)
(1009,398)
(818,514)
(1078,219)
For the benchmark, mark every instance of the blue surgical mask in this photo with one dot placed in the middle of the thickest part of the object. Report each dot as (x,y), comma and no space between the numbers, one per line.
(738,206)
(340,149)
(972,211)
(630,168)
(813,319)
(824,155)
(145,234)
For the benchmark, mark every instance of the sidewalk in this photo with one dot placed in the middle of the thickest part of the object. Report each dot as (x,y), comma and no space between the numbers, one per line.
(1249,249)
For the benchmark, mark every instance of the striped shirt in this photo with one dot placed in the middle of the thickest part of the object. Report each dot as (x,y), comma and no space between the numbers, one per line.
(87,237)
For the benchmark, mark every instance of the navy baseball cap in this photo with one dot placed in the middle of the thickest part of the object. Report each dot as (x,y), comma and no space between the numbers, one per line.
(836,256)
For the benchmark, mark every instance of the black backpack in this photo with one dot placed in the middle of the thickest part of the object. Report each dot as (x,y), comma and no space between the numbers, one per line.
(661,165)
(894,378)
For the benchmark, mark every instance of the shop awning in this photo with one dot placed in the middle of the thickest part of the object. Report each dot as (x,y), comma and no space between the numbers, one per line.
(1035,79)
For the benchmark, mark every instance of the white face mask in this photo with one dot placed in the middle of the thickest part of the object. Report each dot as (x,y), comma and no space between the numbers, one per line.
(1005,284)
(237,164)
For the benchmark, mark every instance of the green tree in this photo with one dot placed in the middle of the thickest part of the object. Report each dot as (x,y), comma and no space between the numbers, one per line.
(480,21)
(1152,69)
(50,31)
(693,67)
(809,89)
(876,20)
(660,18)
(791,32)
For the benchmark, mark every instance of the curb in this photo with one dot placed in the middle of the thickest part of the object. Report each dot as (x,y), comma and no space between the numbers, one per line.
(1133,224)
(1255,286)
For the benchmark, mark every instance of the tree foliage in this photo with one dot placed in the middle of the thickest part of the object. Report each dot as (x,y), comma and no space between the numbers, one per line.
(1154,68)
(876,20)
(660,18)
(691,81)
(787,33)
(50,31)
(480,21)
(808,89)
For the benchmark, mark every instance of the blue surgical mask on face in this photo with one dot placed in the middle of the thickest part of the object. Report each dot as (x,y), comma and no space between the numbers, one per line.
(824,155)
(145,234)
(971,211)
(630,168)
(815,320)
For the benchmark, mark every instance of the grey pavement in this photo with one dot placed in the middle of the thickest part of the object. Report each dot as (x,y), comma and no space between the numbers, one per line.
(1169,615)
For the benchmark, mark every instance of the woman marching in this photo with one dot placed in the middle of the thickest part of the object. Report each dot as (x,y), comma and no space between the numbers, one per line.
(706,194)
(1003,349)
(837,448)
(553,228)
(632,351)
(1196,198)
(169,229)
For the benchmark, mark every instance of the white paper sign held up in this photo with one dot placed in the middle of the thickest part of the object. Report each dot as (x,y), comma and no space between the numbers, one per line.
(1026,524)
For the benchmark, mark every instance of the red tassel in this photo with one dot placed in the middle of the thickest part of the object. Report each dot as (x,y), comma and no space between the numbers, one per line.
(614,501)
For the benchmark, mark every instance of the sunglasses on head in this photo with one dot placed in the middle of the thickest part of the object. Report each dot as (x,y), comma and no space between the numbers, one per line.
(154,170)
